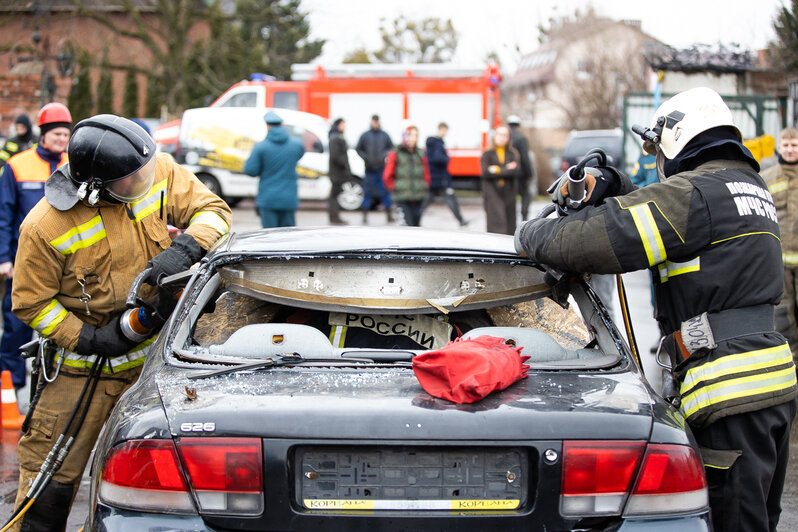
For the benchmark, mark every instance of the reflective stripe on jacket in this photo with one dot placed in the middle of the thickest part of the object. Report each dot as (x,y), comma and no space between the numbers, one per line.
(77,266)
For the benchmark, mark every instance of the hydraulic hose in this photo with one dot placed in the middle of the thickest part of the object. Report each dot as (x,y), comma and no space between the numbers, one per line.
(58,452)
(627,321)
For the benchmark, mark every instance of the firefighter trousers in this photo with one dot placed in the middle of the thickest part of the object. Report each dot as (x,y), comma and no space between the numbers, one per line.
(746,496)
(52,412)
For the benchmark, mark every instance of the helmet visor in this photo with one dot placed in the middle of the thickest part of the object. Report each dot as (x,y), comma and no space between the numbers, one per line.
(135,186)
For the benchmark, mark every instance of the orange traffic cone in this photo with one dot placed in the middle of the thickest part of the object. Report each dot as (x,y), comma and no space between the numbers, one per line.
(9,412)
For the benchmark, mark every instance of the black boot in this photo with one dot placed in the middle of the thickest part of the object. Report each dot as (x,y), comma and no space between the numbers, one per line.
(389,215)
(51,509)
(335,219)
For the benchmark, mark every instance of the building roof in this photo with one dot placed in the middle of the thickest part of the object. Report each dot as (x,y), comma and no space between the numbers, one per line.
(700,58)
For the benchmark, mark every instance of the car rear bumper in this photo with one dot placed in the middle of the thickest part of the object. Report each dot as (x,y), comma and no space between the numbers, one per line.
(108,519)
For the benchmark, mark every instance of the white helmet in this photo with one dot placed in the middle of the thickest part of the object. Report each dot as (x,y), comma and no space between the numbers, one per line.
(514,120)
(681,118)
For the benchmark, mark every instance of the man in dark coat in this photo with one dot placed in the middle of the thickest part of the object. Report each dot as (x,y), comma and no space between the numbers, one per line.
(340,172)
(373,147)
(526,171)
(274,160)
(440,178)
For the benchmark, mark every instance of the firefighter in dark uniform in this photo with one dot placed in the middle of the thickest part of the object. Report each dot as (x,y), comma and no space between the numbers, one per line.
(709,234)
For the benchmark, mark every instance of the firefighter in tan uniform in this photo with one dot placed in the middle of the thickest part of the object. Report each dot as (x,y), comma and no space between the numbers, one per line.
(103,221)
(782,182)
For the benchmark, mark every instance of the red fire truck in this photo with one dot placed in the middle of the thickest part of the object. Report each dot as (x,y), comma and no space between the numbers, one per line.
(467,99)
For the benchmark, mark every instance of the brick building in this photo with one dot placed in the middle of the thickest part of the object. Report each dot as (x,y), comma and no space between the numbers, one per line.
(61,31)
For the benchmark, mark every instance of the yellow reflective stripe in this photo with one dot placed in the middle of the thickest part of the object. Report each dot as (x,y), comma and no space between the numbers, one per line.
(133,358)
(790,258)
(338,335)
(737,388)
(737,363)
(151,202)
(778,186)
(745,234)
(80,237)
(649,234)
(46,320)
(210,218)
(670,269)
(650,166)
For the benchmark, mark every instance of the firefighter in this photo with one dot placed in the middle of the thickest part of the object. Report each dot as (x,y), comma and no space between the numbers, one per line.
(23,140)
(104,220)
(21,187)
(709,234)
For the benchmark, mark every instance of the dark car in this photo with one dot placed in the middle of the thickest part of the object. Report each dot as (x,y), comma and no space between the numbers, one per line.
(580,142)
(281,397)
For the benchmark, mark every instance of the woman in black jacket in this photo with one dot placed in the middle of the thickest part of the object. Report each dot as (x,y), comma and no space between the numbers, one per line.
(499,169)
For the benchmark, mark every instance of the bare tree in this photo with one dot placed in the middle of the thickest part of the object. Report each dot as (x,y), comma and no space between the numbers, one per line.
(431,40)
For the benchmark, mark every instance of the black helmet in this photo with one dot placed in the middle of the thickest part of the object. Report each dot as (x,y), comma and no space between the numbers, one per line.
(109,157)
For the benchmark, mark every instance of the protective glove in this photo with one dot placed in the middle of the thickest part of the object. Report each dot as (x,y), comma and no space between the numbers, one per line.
(158,310)
(177,258)
(601,182)
(106,340)
(559,189)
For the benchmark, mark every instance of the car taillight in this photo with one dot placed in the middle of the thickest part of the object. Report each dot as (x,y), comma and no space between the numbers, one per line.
(225,475)
(564,166)
(599,476)
(671,480)
(145,474)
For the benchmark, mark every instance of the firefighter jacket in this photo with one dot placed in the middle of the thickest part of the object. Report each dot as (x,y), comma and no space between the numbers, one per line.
(77,265)
(15,145)
(21,187)
(782,182)
(711,240)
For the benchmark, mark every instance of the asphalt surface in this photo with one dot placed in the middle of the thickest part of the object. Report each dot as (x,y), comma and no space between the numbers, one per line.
(438,216)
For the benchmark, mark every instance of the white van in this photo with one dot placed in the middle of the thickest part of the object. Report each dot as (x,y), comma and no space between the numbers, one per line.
(215,142)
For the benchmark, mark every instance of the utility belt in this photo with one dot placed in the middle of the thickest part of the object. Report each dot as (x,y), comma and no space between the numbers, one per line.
(706,330)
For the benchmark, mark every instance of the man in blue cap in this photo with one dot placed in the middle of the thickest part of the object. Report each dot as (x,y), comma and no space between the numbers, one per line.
(274,160)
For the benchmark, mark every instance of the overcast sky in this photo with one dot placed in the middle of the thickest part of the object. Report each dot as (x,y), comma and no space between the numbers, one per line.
(503,25)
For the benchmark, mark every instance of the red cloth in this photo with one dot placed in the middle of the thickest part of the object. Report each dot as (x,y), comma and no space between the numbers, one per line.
(465,371)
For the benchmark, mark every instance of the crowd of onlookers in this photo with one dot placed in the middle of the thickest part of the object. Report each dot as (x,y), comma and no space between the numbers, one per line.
(404,178)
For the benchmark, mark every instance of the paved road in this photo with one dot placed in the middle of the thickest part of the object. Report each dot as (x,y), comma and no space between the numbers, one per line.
(437,216)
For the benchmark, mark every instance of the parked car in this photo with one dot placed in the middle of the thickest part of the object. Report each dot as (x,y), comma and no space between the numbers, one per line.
(280,396)
(215,142)
(581,142)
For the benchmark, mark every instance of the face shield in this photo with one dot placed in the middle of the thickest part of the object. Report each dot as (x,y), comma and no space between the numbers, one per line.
(135,186)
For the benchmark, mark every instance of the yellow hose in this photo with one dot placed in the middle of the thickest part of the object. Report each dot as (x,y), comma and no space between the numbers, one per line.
(627,321)
(18,517)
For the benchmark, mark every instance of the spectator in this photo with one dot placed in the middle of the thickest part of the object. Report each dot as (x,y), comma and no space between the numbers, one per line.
(21,188)
(407,177)
(782,182)
(527,171)
(499,169)
(440,178)
(645,170)
(373,146)
(23,140)
(339,169)
(274,160)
